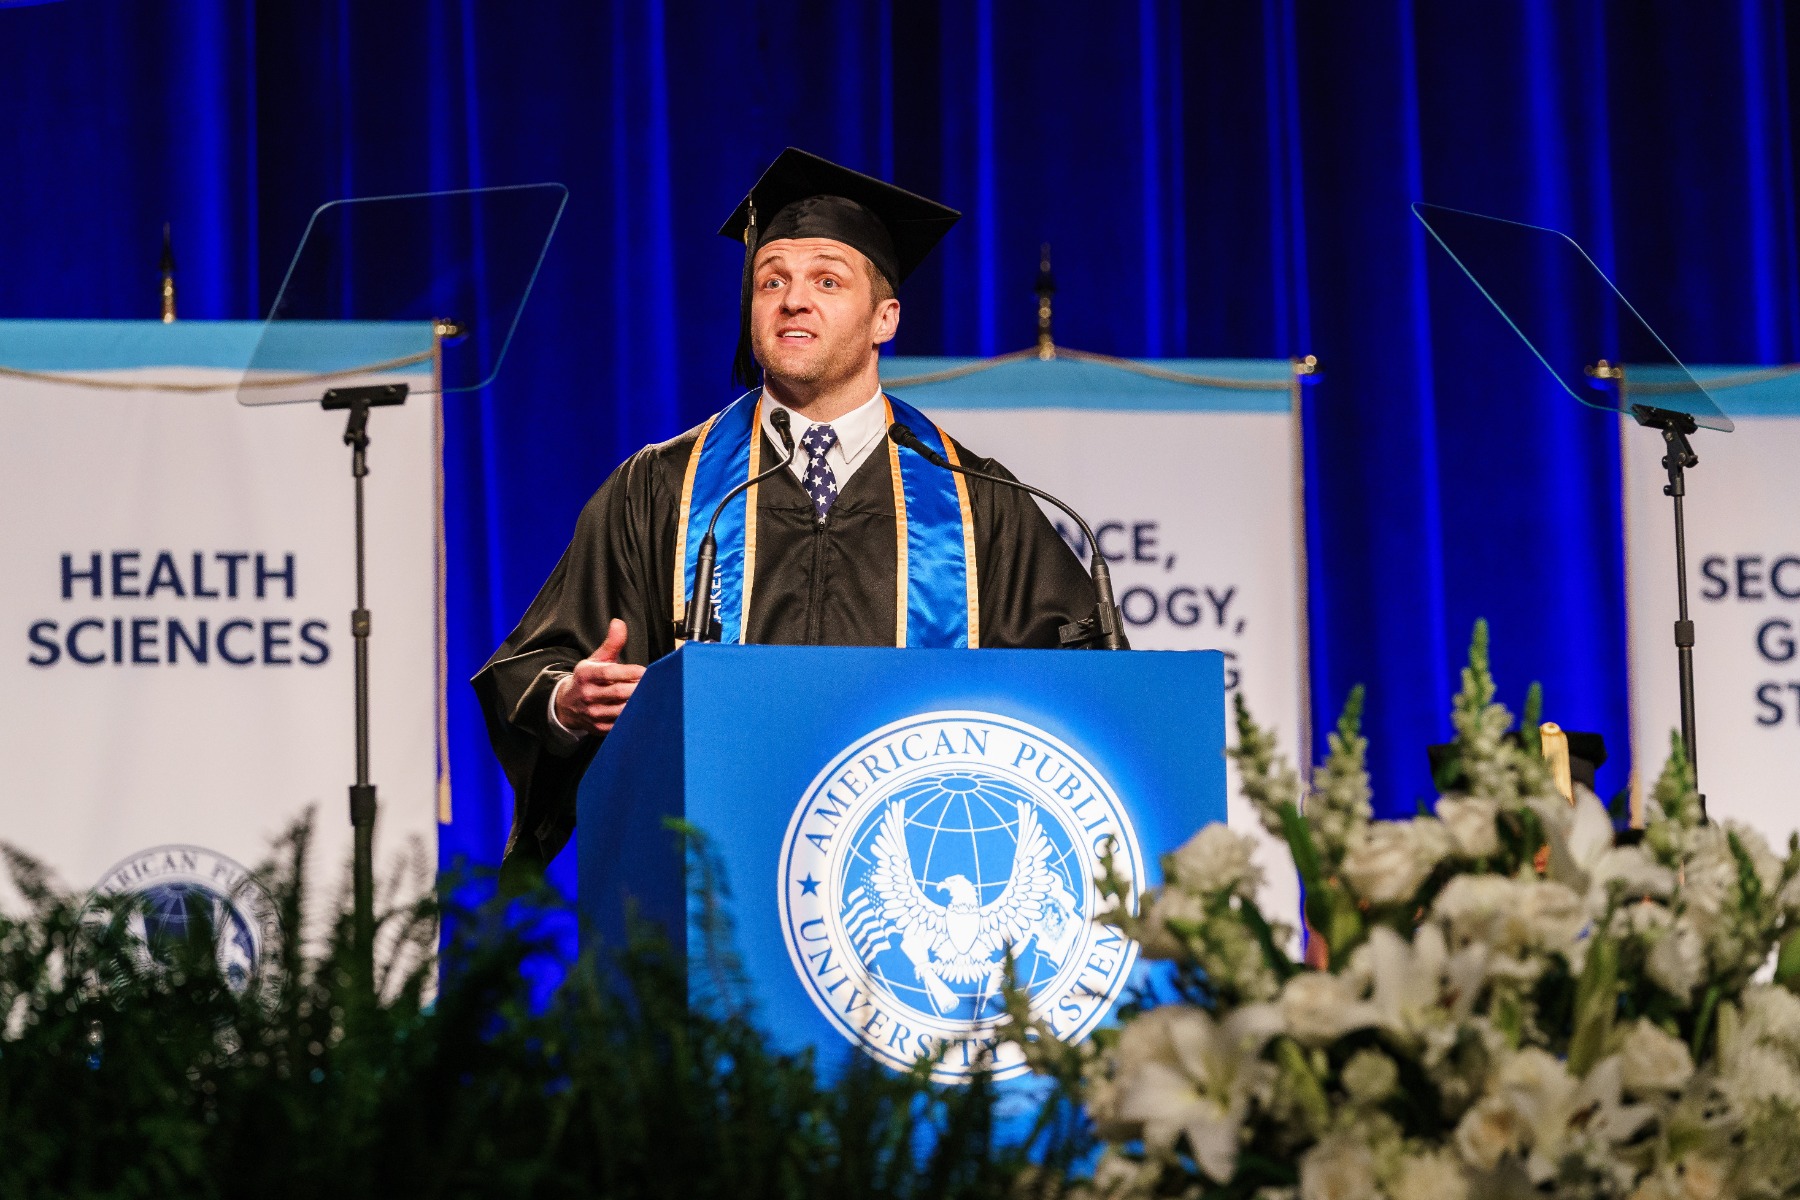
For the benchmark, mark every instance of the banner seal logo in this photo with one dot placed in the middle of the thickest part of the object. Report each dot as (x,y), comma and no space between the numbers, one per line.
(187,888)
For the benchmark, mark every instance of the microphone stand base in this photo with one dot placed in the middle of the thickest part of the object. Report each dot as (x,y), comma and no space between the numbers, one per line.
(714,633)
(1086,634)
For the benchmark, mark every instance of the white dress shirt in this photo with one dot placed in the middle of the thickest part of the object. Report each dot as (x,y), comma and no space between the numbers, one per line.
(860,432)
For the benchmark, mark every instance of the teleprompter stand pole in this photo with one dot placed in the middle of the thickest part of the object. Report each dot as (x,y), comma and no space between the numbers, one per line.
(357,401)
(1679,456)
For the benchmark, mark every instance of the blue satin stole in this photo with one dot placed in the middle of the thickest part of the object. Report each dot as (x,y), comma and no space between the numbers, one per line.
(936,600)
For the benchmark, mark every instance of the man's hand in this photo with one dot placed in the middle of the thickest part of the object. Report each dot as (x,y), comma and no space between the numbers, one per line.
(591,699)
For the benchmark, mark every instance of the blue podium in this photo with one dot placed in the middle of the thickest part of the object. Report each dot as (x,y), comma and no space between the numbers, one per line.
(891,822)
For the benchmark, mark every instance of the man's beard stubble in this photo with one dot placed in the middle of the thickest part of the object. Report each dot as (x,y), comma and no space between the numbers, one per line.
(843,363)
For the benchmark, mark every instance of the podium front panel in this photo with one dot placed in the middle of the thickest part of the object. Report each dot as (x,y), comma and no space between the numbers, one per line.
(892,822)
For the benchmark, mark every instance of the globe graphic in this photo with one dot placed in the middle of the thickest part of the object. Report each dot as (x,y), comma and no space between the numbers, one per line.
(178,911)
(962,822)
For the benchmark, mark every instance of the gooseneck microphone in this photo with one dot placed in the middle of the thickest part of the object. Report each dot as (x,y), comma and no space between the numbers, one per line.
(698,627)
(1106,613)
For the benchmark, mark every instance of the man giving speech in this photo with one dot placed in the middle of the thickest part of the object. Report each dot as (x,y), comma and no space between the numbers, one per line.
(859,544)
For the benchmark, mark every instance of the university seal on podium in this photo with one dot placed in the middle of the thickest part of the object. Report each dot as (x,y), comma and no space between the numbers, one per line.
(921,855)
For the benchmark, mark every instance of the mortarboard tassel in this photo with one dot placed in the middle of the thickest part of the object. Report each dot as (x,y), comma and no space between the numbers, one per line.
(743,367)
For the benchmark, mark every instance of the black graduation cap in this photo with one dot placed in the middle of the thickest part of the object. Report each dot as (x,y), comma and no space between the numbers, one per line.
(801,195)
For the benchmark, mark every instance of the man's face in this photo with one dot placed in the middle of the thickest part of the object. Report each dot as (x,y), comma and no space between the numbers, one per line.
(814,319)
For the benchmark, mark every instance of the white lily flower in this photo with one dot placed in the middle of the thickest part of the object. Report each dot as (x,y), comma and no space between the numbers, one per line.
(1318,1007)
(1180,1072)
(1580,835)
(1419,988)
(1537,1110)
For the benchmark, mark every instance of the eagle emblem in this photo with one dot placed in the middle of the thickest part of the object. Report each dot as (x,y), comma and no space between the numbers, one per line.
(930,853)
(961,941)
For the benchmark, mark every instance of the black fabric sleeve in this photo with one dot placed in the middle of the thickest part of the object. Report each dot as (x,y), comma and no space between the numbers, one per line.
(1030,581)
(602,575)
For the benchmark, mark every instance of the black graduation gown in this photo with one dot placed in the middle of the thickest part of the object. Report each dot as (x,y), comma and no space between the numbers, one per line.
(830,584)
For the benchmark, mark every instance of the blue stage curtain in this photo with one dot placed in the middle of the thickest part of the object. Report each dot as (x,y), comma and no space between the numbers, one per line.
(1215,180)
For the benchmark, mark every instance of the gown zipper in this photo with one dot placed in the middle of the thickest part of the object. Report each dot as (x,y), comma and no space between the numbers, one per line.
(815,585)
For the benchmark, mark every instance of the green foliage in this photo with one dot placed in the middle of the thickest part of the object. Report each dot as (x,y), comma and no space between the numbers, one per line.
(1787,961)
(1269,782)
(1531,737)
(1676,795)
(1596,1005)
(124,1074)
(1340,799)
(1316,826)
(1485,761)
(1300,1083)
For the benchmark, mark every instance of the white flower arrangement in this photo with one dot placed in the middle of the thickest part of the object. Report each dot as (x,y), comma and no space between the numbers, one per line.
(1501,1002)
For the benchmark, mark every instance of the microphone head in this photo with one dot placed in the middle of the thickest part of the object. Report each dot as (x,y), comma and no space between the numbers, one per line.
(905,437)
(779,419)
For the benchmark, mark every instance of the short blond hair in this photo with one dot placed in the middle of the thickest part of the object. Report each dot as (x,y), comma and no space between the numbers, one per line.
(880,286)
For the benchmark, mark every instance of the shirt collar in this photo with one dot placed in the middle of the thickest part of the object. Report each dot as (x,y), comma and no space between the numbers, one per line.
(856,429)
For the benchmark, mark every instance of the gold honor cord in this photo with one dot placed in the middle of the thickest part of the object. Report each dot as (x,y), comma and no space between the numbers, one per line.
(195,389)
(901,591)
(681,522)
(756,438)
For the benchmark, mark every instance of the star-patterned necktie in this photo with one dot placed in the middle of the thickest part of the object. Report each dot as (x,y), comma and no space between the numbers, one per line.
(820,483)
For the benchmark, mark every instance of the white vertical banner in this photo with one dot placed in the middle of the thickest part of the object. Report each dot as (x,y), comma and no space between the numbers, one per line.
(1190,473)
(1743,579)
(175,653)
